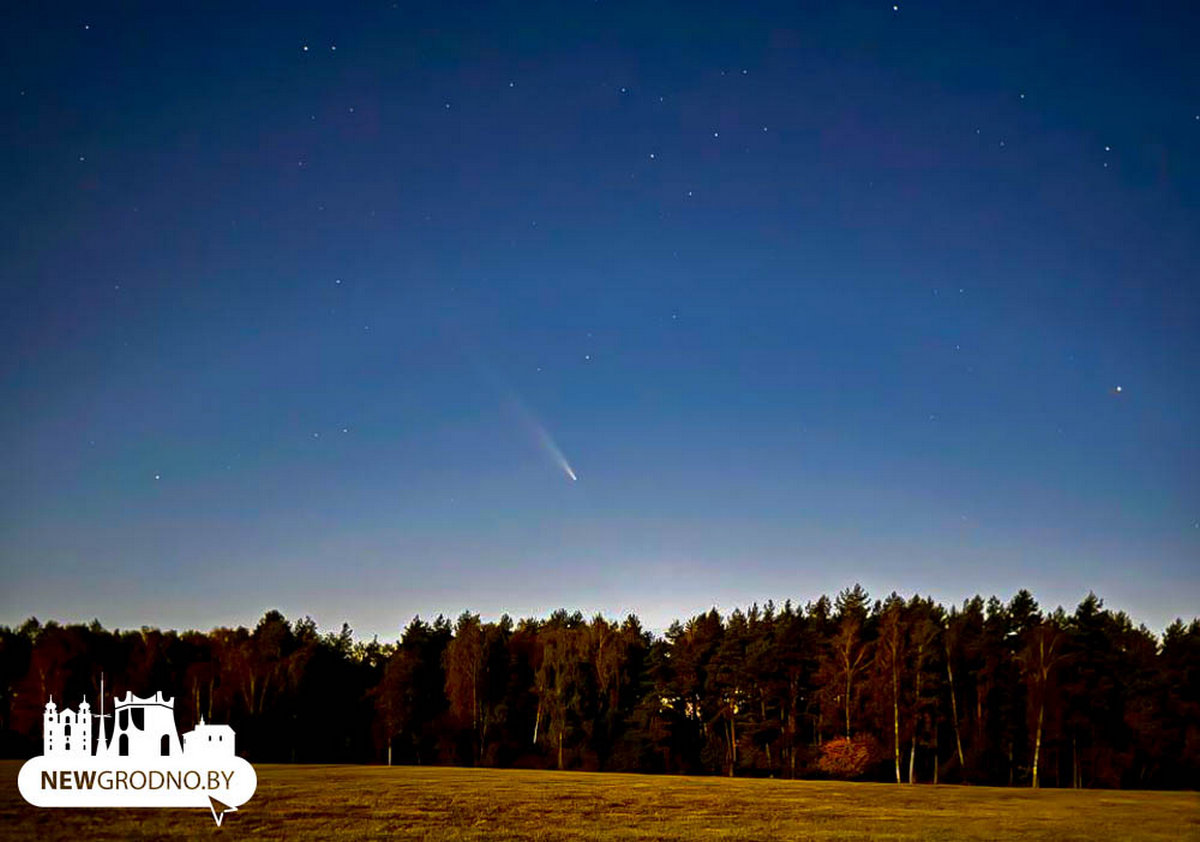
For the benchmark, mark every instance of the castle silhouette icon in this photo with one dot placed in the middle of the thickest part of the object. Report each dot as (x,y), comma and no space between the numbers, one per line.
(141,728)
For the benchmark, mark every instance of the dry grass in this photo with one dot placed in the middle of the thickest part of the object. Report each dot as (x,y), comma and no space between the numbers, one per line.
(370,802)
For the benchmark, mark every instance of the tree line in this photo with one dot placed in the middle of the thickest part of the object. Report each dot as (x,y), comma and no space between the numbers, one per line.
(897,689)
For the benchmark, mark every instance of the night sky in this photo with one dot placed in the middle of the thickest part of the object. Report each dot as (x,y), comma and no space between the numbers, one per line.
(371,310)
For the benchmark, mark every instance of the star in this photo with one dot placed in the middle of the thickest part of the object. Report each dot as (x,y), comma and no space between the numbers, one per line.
(157,477)
(1119,389)
(304,48)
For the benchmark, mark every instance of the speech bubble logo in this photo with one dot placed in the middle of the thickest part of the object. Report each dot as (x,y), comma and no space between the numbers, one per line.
(137,762)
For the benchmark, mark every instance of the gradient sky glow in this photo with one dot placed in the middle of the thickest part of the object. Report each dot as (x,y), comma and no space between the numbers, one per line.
(805,294)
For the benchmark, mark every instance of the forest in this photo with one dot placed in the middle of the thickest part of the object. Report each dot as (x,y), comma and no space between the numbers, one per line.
(903,690)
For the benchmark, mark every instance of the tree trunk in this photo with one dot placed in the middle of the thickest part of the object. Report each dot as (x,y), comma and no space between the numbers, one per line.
(1037,741)
(791,740)
(732,742)
(767,745)
(560,751)
(896,716)
(537,720)
(916,711)
(912,758)
(979,693)
(912,755)
(848,704)
(1074,761)
(954,712)
(936,760)
(475,719)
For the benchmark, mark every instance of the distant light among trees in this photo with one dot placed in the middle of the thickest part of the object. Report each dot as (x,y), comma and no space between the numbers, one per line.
(902,690)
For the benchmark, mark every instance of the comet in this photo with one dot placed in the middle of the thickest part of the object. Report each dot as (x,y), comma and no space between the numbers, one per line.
(522,414)
(548,445)
(541,436)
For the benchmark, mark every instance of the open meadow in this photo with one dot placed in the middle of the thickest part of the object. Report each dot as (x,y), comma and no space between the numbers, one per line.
(368,802)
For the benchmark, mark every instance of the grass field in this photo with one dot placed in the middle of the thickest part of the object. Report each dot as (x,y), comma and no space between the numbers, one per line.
(371,802)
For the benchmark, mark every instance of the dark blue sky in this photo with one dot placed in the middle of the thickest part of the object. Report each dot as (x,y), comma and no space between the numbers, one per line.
(299,308)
